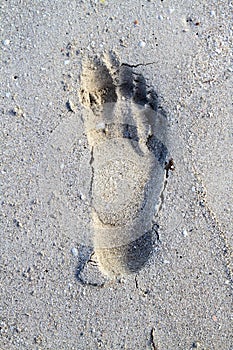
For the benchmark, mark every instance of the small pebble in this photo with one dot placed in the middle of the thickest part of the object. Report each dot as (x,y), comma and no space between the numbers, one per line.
(142,44)
(214,317)
(18,112)
(71,106)
(66,62)
(18,223)
(122,42)
(193,189)
(166,261)
(74,252)
(38,339)
(82,197)
(6,42)
(185,233)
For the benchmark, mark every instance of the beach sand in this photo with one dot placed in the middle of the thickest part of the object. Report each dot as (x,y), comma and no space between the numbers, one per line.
(72,279)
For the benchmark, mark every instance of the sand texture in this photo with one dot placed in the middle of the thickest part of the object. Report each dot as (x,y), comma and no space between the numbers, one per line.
(116,152)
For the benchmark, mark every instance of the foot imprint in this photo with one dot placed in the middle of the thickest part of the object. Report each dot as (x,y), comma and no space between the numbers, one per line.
(126,132)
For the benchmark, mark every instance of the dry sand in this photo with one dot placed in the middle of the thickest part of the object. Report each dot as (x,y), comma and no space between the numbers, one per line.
(60,287)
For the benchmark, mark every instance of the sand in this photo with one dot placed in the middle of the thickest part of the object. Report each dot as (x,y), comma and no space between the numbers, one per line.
(65,282)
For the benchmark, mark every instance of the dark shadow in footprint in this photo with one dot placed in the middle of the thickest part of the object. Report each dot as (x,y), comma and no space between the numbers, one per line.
(126,81)
(87,272)
(133,256)
(140,90)
(157,148)
(83,257)
(126,131)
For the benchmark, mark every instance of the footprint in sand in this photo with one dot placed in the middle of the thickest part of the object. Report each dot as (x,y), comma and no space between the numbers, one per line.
(126,132)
